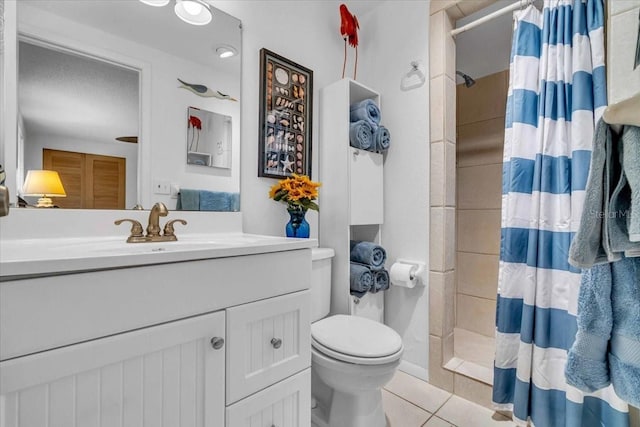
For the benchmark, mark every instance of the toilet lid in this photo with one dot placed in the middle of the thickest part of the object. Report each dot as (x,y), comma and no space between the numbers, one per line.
(356,336)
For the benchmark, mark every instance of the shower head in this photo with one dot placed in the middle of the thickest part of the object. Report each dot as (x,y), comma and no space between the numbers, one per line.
(468,81)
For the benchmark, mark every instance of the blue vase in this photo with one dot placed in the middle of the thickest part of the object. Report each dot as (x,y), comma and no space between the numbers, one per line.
(297,225)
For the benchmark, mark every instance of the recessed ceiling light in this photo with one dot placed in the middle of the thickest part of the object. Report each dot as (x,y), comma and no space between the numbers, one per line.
(156,3)
(195,12)
(226,51)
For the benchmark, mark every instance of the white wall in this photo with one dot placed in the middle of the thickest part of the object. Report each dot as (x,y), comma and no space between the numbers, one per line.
(473,55)
(623,80)
(307,33)
(392,36)
(164,118)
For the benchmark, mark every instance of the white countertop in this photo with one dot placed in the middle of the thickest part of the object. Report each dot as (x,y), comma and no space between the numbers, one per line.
(41,242)
(38,257)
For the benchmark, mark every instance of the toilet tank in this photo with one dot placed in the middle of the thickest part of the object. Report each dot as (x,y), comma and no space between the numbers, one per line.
(320,282)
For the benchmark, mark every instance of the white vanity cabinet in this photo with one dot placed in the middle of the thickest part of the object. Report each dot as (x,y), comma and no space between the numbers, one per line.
(166,375)
(207,342)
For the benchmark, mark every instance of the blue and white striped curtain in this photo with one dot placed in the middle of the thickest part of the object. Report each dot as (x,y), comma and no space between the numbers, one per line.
(557,93)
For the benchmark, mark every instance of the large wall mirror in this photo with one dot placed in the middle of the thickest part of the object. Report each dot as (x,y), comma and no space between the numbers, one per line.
(99,98)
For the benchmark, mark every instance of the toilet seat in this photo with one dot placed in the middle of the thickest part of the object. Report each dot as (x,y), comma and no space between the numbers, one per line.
(356,340)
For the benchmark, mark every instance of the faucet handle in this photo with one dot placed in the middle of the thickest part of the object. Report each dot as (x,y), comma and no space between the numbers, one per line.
(4,199)
(136,227)
(168,227)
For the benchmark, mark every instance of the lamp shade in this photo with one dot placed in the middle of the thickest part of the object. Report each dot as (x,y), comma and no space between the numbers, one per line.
(43,183)
(195,12)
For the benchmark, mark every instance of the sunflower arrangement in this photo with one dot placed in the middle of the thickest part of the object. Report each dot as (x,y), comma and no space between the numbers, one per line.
(298,192)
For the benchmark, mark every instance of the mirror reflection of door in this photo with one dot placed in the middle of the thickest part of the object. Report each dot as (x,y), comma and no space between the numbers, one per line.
(91,181)
(74,103)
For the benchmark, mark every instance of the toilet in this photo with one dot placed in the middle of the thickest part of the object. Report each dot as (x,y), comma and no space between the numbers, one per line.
(352,358)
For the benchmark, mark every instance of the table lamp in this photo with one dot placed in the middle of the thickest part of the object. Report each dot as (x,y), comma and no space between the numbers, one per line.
(43,183)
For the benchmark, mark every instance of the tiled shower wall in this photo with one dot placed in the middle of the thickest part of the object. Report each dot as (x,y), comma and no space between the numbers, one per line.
(442,243)
(479,146)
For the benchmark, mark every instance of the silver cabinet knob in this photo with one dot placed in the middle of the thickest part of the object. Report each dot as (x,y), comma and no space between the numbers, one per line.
(276,342)
(217,342)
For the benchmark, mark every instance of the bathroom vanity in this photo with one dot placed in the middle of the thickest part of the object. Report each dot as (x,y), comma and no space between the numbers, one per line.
(211,330)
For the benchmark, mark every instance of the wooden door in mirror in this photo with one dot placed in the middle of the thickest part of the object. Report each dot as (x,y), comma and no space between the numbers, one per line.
(91,181)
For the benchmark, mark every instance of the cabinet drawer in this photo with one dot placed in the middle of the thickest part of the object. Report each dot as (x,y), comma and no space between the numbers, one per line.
(268,340)
(286,404)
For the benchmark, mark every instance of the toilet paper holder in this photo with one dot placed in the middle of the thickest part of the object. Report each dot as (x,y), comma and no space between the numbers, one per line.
(420,273)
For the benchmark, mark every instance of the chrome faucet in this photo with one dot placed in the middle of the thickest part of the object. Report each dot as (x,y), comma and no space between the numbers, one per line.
(153,229)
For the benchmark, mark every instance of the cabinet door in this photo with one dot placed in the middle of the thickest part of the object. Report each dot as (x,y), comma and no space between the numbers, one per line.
(166,375)
(285,404)
(268,340)
(366,187)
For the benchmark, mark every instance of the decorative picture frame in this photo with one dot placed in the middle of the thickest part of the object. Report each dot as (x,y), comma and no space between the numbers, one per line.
(286,101)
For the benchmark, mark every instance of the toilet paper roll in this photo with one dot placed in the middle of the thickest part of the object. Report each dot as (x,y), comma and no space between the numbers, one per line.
(403,275)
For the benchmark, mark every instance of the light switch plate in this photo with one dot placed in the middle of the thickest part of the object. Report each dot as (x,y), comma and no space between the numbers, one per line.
(161,187)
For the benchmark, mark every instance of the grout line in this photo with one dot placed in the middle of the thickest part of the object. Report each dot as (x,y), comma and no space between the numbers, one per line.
(417,406)
(478,165)
(478,209)
(476,296)
(477,253)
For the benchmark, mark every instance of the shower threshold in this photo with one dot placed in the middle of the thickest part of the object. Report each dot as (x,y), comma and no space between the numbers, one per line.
(473,355)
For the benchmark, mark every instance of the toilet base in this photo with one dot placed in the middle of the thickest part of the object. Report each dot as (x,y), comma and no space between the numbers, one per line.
(373,411)
(357,410)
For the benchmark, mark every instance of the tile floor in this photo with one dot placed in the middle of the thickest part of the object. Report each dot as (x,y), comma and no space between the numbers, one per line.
(411,402)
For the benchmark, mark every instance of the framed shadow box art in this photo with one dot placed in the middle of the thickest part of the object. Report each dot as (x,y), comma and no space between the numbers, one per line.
(286,100)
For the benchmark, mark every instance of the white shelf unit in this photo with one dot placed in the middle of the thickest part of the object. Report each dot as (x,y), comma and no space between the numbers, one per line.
(199,159)
(351,199)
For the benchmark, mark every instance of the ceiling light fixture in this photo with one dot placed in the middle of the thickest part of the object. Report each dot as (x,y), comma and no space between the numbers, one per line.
(194,12)
(226,51)
(156,3)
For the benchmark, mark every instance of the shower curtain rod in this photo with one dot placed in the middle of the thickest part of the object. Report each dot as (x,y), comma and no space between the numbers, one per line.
(517,5)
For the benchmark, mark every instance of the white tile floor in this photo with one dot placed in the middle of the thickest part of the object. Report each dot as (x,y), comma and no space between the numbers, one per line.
(411,402)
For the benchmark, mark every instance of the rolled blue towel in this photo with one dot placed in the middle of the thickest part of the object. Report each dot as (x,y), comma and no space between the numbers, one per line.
(381,139)
(368,253)
(380,280)
(361,135)
(365,110)
(360,279)
(188,200)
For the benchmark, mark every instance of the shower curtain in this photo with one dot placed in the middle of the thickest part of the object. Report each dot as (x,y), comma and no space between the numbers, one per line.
(557,92)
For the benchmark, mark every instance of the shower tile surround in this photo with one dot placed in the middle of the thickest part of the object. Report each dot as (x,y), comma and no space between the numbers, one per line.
(482,108)
(442,248)
(444,13)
